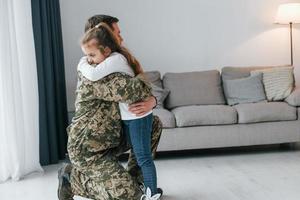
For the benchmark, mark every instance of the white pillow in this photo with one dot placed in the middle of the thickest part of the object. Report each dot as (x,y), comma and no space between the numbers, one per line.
(294,98)
(278,82)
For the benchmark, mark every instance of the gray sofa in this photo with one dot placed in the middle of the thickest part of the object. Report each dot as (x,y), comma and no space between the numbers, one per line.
(195,114)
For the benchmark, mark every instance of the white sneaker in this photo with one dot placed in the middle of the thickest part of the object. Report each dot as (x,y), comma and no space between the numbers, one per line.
(80,198)
(148,196)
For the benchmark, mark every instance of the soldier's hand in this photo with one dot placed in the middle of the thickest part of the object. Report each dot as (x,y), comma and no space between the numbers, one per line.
(141,108)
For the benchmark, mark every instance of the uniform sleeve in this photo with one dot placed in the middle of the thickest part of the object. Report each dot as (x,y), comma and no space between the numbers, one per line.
(112,64)
(119,87)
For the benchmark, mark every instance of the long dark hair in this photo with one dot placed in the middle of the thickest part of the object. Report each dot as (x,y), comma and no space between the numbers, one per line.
(105,38)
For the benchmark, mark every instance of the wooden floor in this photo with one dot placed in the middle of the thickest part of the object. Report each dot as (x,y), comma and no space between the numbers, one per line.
(239,174)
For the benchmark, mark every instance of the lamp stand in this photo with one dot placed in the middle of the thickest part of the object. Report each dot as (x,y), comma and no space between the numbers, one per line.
(291,39)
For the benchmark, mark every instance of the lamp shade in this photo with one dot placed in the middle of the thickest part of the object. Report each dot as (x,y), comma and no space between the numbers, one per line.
(288,13)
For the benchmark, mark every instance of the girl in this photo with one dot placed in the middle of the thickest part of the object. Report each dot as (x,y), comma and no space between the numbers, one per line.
(102,49)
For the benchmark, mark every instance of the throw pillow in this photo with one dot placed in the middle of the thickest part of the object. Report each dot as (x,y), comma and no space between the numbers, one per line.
(294,98)
(154,77)
(244,90)
(278,82)
(160,95)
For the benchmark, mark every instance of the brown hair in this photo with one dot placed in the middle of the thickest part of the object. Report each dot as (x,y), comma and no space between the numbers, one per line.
(106,38)
(97,19)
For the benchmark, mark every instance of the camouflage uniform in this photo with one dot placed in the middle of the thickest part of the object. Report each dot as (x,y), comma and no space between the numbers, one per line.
(95,138)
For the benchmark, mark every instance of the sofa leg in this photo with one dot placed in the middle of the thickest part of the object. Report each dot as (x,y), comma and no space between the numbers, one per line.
(291,145)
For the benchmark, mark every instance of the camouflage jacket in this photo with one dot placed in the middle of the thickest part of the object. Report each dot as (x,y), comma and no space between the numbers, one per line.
(96,126)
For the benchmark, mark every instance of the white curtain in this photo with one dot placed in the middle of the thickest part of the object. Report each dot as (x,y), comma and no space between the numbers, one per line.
(19,122)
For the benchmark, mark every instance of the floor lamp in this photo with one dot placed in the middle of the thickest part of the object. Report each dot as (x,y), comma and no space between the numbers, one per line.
(289,13)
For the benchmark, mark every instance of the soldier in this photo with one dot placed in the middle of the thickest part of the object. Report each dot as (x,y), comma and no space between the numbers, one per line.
(96,158)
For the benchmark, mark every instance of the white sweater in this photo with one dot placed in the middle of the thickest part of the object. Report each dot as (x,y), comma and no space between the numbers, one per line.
(116,62)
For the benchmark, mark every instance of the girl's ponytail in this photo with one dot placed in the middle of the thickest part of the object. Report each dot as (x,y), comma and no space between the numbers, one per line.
(133,62)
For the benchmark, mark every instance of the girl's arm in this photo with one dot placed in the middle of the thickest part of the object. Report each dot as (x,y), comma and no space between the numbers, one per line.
(112,64)
(120,87)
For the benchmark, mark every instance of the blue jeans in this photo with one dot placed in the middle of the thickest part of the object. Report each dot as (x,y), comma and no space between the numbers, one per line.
(138,133)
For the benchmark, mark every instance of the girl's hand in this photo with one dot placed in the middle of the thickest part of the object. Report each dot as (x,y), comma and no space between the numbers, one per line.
(142,107)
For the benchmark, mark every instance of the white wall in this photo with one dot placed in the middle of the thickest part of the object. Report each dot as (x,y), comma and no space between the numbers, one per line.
(178,35)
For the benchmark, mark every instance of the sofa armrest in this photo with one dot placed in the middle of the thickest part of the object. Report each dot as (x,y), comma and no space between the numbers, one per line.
(166,117)
(294,98)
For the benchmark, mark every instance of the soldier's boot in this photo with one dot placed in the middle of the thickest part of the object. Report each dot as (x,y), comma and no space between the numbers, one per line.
(64,191)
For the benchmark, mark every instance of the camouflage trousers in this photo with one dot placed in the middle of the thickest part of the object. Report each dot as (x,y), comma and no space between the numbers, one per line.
(110,181)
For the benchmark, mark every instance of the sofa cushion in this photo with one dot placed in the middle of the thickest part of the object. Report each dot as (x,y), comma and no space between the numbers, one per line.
(244,90)
(204,115)
(229,73)
(166,117)
(265,112)
(193,88)
(278,82)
